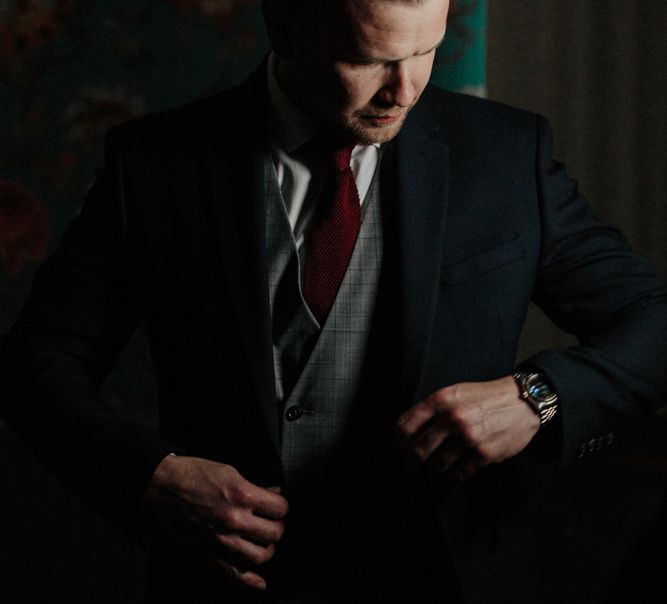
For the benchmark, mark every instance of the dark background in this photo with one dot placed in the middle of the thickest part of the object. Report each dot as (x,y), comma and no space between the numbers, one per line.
(596,68)
(70,69)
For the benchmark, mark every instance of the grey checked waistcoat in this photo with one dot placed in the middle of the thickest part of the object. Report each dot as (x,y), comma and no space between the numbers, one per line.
(318,369)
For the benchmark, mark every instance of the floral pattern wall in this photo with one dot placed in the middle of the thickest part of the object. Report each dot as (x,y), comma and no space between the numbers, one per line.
(69,69)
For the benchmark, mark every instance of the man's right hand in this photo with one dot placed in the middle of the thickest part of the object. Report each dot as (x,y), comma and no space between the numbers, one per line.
(217,515)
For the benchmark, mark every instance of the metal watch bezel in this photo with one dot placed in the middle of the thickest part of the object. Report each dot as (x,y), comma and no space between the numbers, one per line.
(544,405)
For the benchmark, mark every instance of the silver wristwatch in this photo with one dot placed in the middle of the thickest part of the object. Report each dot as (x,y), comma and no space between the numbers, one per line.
(539,393)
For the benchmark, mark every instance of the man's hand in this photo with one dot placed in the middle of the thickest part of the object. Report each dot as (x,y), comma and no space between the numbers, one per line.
(461,428)
(219,517)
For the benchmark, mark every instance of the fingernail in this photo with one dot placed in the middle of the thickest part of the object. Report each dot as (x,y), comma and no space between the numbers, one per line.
(255,581)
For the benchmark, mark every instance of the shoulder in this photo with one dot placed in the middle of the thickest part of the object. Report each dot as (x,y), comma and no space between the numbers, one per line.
(220,115)
(454,106)
(468,118)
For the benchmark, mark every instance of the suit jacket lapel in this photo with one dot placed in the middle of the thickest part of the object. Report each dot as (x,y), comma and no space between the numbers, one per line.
(235,168)
(421,163)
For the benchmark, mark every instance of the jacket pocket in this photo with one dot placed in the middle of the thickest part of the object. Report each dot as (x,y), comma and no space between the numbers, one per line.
(482,263)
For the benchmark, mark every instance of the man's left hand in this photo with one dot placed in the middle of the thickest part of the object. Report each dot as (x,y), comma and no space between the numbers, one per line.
(461,428)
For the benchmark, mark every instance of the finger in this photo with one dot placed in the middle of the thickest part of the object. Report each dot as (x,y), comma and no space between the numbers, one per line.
(427,441)
(460,471)
(242,521)
(262,501)
(246,577)
(243,552)
(443,458)
(266,502)
(410,422)
(263,530)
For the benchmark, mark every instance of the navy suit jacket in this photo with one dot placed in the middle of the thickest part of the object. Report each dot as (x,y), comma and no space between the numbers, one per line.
(479,219)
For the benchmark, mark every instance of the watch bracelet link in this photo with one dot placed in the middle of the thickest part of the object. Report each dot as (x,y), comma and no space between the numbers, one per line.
(548,414)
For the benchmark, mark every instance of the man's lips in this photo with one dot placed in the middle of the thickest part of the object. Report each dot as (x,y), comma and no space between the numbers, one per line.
(383,119)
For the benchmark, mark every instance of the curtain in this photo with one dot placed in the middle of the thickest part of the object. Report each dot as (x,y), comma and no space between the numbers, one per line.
(596,69)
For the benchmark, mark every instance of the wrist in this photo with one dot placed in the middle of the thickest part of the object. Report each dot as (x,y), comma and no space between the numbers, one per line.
(161,478)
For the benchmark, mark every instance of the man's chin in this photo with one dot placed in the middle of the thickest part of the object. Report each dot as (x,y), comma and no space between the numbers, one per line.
(366,132)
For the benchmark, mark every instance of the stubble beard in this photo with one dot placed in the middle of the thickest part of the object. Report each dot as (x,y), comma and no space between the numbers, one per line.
(369,135)
(354,127)
(360,130)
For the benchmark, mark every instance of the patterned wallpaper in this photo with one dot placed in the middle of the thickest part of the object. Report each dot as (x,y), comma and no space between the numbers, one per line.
(69,69)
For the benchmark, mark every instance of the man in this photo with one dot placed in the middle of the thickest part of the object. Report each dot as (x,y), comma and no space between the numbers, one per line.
(354,445)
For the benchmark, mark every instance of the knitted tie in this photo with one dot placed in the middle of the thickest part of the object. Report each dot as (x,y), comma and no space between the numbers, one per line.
(333,234)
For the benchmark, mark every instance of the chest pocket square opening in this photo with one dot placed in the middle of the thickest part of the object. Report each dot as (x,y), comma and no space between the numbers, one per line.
(482,263)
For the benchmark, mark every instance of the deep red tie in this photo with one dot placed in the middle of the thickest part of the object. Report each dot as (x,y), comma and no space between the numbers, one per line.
(333,234)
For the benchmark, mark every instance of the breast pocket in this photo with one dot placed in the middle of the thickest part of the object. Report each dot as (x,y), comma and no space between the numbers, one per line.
(470,338)
(483,263)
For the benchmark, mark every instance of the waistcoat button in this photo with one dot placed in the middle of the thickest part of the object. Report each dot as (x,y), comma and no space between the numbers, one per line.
(293,413)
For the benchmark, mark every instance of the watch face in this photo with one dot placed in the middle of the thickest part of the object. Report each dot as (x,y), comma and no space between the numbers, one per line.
(539,389)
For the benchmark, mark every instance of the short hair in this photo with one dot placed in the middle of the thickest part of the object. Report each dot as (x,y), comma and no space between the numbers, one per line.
(292,5)
(278,13)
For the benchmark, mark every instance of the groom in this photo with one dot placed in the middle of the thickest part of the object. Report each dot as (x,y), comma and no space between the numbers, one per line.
(333,262)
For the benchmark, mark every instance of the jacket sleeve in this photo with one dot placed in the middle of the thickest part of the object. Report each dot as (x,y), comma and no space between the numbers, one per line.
(591,284)
(85,303)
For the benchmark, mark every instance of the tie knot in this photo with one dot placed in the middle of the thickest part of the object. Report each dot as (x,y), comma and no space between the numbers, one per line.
(336,150)
(342,156)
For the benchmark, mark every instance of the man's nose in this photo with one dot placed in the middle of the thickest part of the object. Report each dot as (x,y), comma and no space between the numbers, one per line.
(399,88)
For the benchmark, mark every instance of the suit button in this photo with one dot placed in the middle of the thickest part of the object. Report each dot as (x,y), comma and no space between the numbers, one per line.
(293,413)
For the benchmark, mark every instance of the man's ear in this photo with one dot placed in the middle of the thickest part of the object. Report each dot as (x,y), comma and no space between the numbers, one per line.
(278,28)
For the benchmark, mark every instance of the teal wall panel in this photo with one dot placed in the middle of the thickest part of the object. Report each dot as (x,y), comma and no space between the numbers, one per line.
(461,60)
